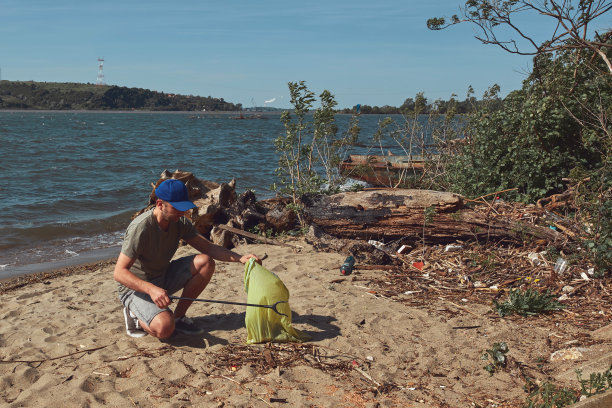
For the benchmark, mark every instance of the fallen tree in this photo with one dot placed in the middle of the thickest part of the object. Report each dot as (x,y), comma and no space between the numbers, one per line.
(345,222)
(415,216)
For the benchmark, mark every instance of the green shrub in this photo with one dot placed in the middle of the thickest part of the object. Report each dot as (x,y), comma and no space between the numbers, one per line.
(597,382)
(594,203)
(548,395)
(309,151)
(498,355)
(527,303)
(540,133)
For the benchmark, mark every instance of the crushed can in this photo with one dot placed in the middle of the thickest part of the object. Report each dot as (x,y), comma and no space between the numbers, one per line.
(347,266)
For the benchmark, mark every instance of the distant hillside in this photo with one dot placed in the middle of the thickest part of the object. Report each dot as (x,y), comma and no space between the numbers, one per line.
(74,96)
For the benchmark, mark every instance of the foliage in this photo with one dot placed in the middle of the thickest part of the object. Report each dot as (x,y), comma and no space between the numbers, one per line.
(295,173)
(547,395)
(310,151)
(68,96)
(266,233)
(539,135)
(428,216)
(527,303)
(498,355)
(438,106)
(329,148)
(594,201)
(557,126)
(597,382)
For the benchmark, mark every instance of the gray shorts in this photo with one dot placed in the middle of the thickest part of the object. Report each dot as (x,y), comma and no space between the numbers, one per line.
(175,279)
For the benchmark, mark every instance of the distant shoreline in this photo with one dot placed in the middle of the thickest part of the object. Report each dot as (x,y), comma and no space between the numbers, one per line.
(195,113)
(139,111)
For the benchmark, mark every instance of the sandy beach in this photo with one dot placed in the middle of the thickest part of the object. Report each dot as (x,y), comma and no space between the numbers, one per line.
(63,344)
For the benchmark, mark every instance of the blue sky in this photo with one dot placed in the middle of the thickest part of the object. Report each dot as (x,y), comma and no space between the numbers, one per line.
(367,52)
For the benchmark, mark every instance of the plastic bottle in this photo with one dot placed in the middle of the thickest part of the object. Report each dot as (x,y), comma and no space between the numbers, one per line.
(347,266)
(560,265)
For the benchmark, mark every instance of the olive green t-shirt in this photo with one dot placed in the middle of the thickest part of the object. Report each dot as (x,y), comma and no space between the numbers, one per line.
(151,247)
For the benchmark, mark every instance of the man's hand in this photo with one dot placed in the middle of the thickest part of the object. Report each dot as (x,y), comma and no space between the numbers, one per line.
(159,297)
(245,258)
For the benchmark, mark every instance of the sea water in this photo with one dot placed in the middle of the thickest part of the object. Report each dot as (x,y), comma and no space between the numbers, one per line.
(72,180)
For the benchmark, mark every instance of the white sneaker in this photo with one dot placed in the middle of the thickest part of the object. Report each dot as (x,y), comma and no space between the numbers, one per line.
(132,325)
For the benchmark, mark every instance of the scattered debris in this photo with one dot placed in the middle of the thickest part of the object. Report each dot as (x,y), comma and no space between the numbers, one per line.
(573,353)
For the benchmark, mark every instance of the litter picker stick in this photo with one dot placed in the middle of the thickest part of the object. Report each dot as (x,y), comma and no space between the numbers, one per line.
(227,302)
(255,236)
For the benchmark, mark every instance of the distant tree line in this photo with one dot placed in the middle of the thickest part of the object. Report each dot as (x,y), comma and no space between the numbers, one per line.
(75,96)
(420,104)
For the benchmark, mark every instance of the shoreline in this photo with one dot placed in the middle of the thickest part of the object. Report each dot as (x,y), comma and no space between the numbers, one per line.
(83,259)
(137,111)
(18,281)
(208,113)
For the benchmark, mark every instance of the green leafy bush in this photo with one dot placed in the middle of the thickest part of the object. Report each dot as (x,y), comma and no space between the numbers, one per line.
(594,202)
(527,303)
(597,382)
(310,150)
(556,129)
(540,133)
(548,395)
(498,357)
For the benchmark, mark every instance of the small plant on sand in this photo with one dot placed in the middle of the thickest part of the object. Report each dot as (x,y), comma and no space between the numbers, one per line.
(266,233)
(547,395)
(498,355)
(527,303)
(597,382)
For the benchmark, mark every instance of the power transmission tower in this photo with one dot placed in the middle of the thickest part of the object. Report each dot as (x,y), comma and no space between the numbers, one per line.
(100,81)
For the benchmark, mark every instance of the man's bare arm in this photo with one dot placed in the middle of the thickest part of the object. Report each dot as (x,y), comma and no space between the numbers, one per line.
(217,252)
(123,275)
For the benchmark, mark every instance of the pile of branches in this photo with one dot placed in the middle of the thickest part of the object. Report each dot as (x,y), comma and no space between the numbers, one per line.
(265,358)
(221,213)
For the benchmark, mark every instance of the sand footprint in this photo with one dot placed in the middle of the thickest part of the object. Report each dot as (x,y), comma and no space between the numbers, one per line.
(12,313)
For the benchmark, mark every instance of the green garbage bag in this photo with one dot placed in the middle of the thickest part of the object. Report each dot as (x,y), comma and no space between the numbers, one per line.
(265,325)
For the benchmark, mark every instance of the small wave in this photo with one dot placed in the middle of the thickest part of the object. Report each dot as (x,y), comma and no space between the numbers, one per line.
(85,233)
(57,249)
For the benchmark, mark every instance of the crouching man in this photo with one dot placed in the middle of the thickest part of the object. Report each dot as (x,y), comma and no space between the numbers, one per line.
(147,275)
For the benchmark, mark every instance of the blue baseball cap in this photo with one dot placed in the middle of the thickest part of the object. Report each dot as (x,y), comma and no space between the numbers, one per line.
(174,192)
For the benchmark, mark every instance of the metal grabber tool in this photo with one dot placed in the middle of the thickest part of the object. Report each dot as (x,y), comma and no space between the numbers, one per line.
(227,302)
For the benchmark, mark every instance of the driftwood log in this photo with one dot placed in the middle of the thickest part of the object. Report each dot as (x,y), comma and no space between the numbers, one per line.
(414,216)
(220,212)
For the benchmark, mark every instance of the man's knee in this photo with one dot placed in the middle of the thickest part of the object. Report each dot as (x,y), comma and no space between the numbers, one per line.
(162,325)
(203,265)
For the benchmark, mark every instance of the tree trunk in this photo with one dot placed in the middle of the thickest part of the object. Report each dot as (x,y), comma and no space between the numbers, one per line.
(414,216)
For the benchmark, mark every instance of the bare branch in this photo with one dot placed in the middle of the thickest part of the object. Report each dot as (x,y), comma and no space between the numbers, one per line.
(570,32)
